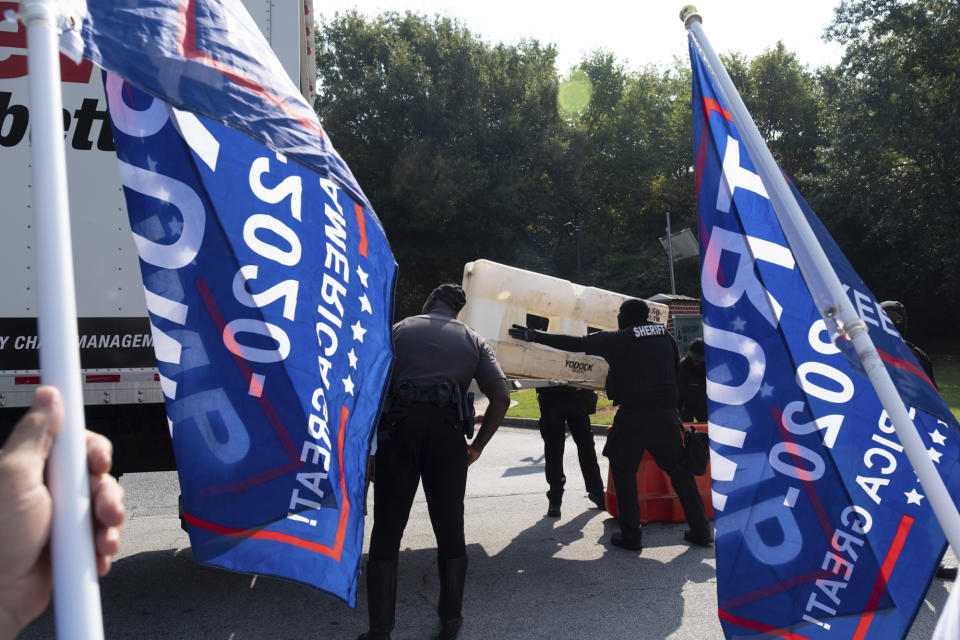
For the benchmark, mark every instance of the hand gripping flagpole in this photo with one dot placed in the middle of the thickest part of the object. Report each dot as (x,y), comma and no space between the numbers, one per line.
(829,294)
(76,590)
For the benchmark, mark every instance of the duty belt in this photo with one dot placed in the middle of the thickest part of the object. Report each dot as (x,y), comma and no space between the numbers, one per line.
(440,395)
(443,395)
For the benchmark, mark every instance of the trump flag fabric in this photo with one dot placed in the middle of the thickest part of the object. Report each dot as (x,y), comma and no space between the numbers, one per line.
(822,528)
(269,285)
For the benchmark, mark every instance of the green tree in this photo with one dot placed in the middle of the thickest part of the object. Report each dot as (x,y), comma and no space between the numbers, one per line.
(453,140)
(892,179)
(633,166)
(785,101)
(466,152)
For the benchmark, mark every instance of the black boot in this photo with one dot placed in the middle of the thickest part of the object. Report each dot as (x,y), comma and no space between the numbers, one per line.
(554,497)
(453,574)
(381,598)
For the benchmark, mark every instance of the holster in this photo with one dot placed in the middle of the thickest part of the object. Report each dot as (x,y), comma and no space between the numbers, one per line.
(465,411)
(588,400)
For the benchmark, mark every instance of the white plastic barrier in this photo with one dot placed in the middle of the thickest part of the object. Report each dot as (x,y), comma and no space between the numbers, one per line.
(499,296)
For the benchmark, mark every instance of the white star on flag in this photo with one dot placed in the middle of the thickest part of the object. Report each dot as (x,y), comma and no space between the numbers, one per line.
(353,359)
(766,390)
(363,276)
(938,437)
(934,454)
(358,331)
(365,304)
(348,385)
(913,497)
(738,324)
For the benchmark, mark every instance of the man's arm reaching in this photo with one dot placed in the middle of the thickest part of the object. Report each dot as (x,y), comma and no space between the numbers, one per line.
(555,340)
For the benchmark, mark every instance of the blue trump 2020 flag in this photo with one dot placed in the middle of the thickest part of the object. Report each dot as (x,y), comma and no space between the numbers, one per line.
(822,528)
(269,285)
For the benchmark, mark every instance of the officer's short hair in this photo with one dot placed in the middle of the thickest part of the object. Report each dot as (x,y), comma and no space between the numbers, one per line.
(451,295)
(632,312)
(696,348)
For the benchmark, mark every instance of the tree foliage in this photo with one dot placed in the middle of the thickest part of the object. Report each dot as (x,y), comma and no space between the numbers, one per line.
(891,179)
(475,150)
(451,139)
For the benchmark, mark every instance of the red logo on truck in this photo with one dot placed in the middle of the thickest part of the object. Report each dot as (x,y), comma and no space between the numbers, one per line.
(15,64)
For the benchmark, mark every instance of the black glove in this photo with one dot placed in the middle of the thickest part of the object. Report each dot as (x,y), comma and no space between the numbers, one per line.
(520,332)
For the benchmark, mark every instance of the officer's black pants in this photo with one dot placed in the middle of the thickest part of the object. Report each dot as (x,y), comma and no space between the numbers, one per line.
(423,442)
(555,414)
(638,429)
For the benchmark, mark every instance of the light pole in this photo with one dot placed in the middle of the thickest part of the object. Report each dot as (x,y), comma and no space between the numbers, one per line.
(673,287)
(573,229)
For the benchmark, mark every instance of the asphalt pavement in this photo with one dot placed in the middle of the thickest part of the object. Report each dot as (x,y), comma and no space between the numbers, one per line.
(529,576)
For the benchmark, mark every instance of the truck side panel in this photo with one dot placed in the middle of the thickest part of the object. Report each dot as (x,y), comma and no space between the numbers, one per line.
(121,387)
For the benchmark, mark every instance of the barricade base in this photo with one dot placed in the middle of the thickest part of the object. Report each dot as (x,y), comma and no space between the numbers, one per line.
(655,496)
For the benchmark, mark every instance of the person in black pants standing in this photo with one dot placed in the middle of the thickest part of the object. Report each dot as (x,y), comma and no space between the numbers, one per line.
(642,381)
(421,435)
(562,407)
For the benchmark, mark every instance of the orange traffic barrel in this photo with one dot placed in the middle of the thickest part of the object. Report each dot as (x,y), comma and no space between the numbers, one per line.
(655,495)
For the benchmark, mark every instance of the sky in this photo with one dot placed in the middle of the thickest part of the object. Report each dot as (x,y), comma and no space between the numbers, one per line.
(637,32)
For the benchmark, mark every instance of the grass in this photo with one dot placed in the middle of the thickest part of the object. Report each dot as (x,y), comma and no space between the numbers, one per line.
(945,368)
(527,407)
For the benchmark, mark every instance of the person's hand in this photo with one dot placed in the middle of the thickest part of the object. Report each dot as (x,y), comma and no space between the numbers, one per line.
(473,453)
(520,332)
(26,510)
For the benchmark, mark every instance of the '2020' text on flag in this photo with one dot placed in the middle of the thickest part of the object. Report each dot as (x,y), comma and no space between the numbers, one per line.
(822,527)
(269,284)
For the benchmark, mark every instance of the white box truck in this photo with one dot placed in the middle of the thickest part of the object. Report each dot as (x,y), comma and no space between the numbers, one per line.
(120,382)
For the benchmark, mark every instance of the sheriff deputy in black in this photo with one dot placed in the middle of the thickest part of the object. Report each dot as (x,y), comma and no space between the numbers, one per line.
(642,380)
(421,435)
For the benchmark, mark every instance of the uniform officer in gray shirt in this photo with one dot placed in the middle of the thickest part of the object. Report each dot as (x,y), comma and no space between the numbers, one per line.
(420,436)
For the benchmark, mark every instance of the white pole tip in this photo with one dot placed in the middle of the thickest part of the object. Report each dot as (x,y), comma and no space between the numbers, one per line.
(688,14)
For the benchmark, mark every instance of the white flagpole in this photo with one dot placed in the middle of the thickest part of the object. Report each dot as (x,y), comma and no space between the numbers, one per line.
(837,308)
(76,589)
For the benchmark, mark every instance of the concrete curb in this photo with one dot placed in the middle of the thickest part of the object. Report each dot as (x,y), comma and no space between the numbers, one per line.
(531,423)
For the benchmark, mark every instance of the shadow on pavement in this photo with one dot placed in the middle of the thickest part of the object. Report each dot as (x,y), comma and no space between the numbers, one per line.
(526,589)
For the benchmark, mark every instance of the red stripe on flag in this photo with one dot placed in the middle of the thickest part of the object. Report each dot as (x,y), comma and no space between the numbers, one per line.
(701,156)
(900,363)
(243,485)
(780,587)
(759,626)
(187,47)
(886,569)
(816,503)
(245,370)
(258,534)
(805,477)
(362,224)
(275,536)
(709,104)
(345,507)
